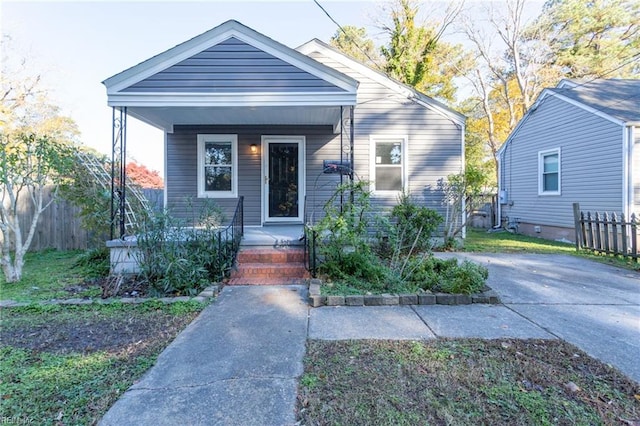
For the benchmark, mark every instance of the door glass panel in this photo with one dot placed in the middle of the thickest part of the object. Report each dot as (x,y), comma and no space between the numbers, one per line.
(283,180)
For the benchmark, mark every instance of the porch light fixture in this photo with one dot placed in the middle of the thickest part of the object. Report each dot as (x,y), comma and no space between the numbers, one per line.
(253,148)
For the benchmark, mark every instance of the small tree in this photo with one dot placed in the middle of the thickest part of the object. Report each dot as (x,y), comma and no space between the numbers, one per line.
(36,150)
(28,163)
(459,192)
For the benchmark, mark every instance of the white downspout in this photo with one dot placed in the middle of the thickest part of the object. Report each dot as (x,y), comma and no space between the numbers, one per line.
(464,198)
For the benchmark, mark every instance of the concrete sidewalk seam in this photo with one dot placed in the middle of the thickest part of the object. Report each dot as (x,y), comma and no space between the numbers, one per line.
(533,322)
(423,321)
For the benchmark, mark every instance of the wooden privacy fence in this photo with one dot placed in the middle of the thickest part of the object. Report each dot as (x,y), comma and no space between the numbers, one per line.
(606,233)
(59,226)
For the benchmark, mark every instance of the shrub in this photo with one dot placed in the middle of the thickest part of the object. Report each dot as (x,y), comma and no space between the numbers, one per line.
(446,275)
(94,263)
(466,278)
(414,225)
(181,260)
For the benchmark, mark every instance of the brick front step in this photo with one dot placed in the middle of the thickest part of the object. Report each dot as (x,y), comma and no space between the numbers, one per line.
(270,266)
(265,270)
(266,281)
(284,255)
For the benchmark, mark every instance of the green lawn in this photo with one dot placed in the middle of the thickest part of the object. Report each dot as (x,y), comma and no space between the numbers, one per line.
(46,274)
(66,365)
(479,240)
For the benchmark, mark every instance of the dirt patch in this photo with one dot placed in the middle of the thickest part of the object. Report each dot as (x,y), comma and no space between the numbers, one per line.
(87,330)
(462,382)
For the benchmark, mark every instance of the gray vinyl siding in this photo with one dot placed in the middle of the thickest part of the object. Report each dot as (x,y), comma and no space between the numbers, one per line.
(434,148)
(181,179)
(434,141)
(232,66)
(590,170)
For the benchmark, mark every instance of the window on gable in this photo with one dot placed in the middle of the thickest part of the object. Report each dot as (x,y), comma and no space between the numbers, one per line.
(388,168)
(217,166)
(549,172)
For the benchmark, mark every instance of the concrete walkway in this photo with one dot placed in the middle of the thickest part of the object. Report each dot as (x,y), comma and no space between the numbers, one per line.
(238,362)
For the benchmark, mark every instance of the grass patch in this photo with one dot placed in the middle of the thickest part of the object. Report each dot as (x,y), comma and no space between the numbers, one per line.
(69,364)
(47,274)
(507,242)
(479,240)
(460,382)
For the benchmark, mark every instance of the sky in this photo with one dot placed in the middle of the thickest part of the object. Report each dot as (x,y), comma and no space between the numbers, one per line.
(75,45)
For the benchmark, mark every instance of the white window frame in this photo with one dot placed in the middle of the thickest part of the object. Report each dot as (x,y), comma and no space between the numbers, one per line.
(202,140)
(373,139)
(541,156)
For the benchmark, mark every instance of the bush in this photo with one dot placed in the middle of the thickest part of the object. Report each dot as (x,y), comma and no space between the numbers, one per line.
(466,278)
(447,276)
(398,260)
(94,263)
(414,225)
(182,260)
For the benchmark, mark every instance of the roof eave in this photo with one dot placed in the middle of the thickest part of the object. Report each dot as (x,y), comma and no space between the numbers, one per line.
(216,35)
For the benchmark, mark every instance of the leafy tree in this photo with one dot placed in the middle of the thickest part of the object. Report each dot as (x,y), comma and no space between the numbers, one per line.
(28,164)
(143,177)
(355,42)
(416,54)
(594,38)
(37,147)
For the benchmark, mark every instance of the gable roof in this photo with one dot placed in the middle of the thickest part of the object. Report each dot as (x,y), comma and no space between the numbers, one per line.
(141,85)
(409,92)
(617,98)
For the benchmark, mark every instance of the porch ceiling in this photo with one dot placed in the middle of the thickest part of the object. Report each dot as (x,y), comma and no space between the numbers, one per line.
(166,118)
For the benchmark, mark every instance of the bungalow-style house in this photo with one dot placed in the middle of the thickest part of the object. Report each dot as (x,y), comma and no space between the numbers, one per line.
(244,115)
(579,142)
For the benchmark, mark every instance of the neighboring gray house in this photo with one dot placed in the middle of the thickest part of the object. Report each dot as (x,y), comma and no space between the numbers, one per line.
(579,142)
(244,115)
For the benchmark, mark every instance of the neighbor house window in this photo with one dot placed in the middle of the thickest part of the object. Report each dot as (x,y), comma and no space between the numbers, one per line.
(217,166)
(549,172)
(388,163)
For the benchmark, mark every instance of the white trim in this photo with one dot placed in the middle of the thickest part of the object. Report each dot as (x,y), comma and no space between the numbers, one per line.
(583,106)
(464,199)
(541,155)
(383,79)
(233,139)
(252,99)
(550,92)
(165,195)
(373,139)
(264,149)
(215,36)
(627,168)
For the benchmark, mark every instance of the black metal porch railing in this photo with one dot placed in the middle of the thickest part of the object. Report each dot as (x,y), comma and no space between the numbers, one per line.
(310,239)
(310,254)
(228,241)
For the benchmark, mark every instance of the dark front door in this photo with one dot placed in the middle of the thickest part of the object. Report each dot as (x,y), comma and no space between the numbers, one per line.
(283,179)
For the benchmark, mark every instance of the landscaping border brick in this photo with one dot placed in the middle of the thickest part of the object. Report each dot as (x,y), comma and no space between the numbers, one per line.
(316,299)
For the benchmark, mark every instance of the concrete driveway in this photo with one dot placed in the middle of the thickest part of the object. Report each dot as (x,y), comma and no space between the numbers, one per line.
(591,305)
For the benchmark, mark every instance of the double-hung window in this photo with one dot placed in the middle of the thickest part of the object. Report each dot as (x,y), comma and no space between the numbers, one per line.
(389,163)
(218,166)
(549,172)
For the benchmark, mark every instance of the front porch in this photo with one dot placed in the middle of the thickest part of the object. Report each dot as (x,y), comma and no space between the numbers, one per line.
(273,236)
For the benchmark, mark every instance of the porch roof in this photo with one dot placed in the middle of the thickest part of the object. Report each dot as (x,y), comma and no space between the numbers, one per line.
(232,74)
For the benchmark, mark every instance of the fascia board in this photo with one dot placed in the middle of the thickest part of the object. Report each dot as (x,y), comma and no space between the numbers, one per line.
(230,99)
(411,94)
(587,108)
(514,132)
(215,36)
